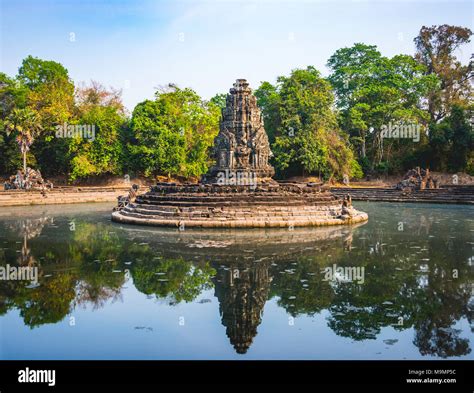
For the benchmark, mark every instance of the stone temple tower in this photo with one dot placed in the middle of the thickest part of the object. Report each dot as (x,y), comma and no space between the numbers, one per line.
(241,147)
(238,191)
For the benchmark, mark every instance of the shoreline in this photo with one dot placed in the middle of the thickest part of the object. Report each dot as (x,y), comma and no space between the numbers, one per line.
(461,194)
(61,195)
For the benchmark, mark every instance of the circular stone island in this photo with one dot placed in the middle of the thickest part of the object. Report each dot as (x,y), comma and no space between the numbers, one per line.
(238,190)
(216,206)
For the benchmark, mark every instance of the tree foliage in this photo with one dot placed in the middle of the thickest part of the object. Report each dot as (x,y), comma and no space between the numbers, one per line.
(299,117)
(102,111)
(329,127)
(373,92)
(436,48)
(24,124)
(172,134)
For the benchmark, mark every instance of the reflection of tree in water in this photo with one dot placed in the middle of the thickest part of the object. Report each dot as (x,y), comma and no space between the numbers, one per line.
(28,229)
(93,253)
(242,291)
(88,268)
(412,285)
(48,303)
(172,278)
(97,285)
(448,300)
(72,278)
(440,341)
(403,278)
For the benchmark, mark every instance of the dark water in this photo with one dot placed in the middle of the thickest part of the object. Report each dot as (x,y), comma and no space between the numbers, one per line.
(108,291)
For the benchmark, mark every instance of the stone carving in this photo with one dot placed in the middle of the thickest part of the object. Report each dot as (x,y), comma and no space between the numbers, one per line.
(417,179)
(242,143)
(347,211)
(31,180)
(125,200)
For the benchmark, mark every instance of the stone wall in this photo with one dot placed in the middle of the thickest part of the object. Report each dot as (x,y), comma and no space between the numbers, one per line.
(60,195)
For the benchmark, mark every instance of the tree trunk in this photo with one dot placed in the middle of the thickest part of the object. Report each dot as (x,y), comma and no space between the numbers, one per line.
(24,162)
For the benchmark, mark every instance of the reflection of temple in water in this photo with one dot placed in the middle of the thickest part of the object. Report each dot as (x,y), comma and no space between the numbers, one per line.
(242,260)
(242,291)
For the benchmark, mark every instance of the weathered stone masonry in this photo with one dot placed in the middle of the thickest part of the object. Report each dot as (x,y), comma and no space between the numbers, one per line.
(241,147)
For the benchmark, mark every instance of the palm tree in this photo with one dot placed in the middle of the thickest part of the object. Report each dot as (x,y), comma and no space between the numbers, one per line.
(26,124)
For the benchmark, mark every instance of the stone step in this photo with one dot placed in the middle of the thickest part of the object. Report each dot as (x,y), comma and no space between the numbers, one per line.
(450,195)
(245,197)
(243,207)
(172,202)
(290,210)
(254,217)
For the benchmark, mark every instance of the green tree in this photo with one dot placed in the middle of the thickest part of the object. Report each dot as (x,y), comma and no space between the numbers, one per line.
(172,134)
(12,96)
(25,124)
(373,91)
(102,111)
(268,100)
(452,142)
(435,49)
(463,139)
(298,112)
(219,100)
(51,95)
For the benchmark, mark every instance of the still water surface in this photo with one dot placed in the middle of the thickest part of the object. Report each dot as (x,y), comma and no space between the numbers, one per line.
(109,291)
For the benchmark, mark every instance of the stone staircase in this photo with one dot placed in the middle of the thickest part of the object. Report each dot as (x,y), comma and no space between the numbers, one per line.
(460,194)
(235,207)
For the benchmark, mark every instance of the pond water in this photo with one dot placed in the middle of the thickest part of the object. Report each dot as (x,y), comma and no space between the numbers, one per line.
(397,287)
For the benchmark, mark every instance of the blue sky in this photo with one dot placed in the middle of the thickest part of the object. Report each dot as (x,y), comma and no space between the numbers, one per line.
(139,45)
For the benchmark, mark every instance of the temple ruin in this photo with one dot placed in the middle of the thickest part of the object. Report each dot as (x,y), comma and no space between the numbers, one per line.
(242,146)
(238,191)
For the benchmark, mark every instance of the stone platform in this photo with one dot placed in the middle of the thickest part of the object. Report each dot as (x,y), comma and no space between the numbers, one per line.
(238,190)
(215,206)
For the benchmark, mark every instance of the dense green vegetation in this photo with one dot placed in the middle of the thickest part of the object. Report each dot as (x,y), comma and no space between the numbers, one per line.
(329,127)
(303,126)
(172,134)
